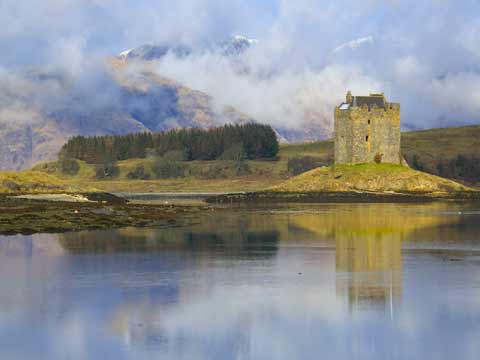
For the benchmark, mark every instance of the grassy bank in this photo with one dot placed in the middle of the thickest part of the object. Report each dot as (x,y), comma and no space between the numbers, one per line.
(12,182)
(428,148)
(377,178)
(201,176)
(20,216)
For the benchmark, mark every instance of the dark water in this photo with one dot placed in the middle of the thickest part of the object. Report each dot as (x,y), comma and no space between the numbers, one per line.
(297,282)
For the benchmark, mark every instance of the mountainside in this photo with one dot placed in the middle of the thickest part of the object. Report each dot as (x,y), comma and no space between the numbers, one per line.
(41,108)
(38,117)
(234,46)
(296,112)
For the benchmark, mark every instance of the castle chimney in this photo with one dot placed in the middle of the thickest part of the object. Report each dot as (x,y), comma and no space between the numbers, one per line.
(349,97)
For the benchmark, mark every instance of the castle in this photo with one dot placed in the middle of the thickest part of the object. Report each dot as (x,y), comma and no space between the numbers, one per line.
(367,129)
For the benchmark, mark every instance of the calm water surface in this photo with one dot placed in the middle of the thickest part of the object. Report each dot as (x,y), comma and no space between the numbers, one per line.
(293,282)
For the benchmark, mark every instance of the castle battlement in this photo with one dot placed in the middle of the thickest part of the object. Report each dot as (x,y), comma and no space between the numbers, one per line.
(367,127)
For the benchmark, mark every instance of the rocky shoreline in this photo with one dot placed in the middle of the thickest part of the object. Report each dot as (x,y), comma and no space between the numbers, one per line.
(59,213)
(101,211)
(342,197)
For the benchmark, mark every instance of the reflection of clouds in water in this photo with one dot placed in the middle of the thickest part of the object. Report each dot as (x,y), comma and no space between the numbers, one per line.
(166,298)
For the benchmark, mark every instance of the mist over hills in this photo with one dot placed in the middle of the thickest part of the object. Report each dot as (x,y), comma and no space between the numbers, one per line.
(40,108)
(54,81)
(234,46)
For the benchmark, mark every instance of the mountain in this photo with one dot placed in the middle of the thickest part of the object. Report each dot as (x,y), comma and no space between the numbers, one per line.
(41,108)
(234,46)
(38,117)
(307,123)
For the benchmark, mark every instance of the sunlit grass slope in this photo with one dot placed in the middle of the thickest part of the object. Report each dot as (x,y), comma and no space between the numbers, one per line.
(30,182)
(367,178)
(429,145)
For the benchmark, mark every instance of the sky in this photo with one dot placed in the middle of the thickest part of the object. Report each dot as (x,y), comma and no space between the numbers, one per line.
(424,54)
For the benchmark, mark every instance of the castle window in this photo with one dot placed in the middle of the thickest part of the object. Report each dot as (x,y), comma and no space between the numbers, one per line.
(368,121)
(366,138)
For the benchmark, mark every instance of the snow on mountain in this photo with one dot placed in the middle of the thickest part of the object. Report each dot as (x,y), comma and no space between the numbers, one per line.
(153,52)
(124,54)
(354,44)
(237,45)
(240,38)
(234,46)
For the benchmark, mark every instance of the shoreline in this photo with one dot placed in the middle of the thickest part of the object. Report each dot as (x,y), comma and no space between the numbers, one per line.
(102,211)
(341,197)
(49,213)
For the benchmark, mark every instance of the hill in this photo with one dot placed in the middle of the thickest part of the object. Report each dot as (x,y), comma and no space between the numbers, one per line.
(255,175)
(41,108)
(452,153)
(377,178)
(37,118)
(12,182)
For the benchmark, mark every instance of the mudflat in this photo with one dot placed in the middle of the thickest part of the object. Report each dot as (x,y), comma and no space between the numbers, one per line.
(101,211)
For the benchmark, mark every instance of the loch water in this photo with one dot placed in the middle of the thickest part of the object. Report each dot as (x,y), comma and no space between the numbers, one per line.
(319,281)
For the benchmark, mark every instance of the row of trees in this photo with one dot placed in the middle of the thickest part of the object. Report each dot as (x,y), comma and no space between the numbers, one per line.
(249,141)
(461,167)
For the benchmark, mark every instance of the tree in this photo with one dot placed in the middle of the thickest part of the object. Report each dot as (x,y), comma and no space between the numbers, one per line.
(107,170)
(69,166)
(416,163)
(235,152)
(257,141)
(165,168)
(138,173)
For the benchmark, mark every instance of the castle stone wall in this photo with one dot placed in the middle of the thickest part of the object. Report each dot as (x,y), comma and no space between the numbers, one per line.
(363,132)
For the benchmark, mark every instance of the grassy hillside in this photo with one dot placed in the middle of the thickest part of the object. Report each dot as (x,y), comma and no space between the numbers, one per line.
(368,177)
(30,182)
(442,143)
(209,176)
(452,153)
(428,148)
(319,149)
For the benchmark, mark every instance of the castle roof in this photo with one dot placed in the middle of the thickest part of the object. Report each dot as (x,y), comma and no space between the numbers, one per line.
(370,101)
(373,100)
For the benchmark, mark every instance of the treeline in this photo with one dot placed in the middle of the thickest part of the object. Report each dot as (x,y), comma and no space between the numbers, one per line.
(462,167)
(248,141)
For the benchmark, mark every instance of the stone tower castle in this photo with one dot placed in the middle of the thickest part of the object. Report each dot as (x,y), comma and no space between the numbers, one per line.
(367,127)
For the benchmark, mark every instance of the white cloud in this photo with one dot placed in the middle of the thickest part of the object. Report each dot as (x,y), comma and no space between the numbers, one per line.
(469,35)
(427,51)
(354,44)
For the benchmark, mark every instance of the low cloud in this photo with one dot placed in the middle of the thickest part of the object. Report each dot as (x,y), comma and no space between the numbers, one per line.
(310,52)
(285,99)
(354,44)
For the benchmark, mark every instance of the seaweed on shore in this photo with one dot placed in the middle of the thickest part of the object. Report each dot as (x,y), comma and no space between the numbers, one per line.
(341,197)
(23,216)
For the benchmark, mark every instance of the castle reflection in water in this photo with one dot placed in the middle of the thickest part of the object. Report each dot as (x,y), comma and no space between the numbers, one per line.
(237,268)
(367,239)
(369,271)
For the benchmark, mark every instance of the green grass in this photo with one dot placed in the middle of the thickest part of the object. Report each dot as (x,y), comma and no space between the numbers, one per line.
(435,144)
(429,145)
(320,149)
(263,174)
(30,182)
(378,178)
